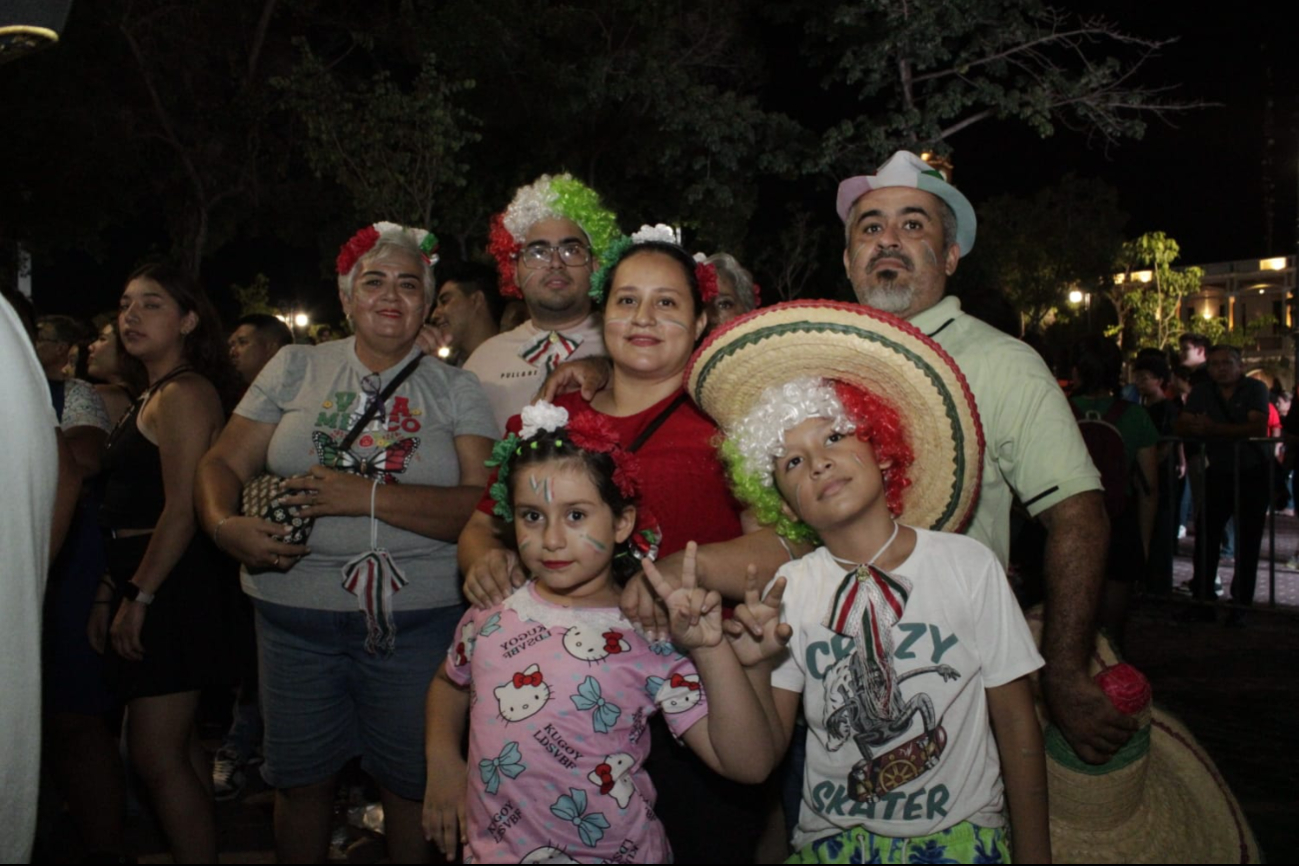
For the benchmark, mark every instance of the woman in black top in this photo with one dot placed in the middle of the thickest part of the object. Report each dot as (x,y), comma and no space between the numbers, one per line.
(166,601)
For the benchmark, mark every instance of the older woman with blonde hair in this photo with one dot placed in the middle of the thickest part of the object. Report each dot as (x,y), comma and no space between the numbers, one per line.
(352,623)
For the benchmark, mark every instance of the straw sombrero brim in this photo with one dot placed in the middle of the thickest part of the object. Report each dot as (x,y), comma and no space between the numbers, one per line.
(866,348)
(1185,812)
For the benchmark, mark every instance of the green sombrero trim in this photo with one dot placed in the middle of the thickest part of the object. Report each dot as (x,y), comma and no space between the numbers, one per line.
(1064,755)
(949,402)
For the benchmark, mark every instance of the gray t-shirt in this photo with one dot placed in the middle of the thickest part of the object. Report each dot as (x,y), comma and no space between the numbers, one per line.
(314,394)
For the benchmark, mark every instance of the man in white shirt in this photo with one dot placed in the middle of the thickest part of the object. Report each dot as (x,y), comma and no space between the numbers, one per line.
(547,244)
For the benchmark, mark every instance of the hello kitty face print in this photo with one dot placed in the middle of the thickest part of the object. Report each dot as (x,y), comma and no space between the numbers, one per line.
(591,644)
(613,776)
(525,695)
(675,694)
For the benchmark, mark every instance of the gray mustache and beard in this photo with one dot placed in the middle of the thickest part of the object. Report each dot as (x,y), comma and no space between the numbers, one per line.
(889,289)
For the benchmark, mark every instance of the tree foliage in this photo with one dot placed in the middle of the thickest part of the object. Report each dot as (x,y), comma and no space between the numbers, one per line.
(1148,310)
(922,71)
(396,150)
(1061,238)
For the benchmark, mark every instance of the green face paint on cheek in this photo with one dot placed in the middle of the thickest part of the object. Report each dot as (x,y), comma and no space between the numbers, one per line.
(599,546)
(524,545)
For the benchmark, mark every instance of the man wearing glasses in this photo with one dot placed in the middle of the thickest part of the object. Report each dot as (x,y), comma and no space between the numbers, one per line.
(546,244)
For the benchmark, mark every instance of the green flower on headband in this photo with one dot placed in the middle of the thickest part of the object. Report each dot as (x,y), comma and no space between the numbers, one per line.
(500,490)
(600,278)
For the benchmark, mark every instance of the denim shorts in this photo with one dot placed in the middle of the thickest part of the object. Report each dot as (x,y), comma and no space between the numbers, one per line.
(326,700)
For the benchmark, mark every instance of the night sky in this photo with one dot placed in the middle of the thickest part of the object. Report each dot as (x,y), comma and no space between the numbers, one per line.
(1203,179)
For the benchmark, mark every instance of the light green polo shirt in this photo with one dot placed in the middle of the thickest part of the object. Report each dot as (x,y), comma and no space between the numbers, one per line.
(1033,447)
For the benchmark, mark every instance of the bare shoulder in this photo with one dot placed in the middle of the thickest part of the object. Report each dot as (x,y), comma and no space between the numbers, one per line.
(189,402)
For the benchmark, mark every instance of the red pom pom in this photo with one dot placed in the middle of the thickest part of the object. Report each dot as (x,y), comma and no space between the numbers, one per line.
(1126,687)
(358,245)
(502,247)
(706,276)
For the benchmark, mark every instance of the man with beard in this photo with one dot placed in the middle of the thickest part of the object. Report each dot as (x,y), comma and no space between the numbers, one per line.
(906,229)
(546,244)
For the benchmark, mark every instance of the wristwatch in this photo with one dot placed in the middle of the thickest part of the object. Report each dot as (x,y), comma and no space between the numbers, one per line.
(132,592)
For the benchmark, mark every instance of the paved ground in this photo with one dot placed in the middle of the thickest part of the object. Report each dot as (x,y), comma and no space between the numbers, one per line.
(1237,689)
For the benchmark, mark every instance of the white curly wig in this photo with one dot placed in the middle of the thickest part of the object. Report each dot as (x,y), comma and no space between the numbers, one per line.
(760,436)
(533,203)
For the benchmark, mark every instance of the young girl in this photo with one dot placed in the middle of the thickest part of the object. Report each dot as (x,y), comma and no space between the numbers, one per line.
(558,686)
(907,651)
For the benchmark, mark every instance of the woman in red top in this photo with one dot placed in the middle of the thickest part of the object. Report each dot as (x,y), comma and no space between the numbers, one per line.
(653,317)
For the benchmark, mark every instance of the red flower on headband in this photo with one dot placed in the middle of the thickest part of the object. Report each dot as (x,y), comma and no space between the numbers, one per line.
(505,249)
(592,431)
(626,473)
(358,245)
(706,276)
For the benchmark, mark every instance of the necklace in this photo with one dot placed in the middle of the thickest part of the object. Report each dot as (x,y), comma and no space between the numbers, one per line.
(877,555)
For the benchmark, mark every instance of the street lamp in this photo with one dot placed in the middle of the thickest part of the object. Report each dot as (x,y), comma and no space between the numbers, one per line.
(302,320)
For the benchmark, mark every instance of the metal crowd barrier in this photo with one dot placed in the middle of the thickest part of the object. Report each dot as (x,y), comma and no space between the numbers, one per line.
(1204,590)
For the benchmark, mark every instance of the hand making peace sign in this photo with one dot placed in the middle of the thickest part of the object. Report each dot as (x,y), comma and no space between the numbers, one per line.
(694,613)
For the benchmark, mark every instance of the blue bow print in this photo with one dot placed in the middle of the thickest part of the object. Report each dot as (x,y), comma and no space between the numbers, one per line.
(570,807)
(588,697)
(493,624)
(508,763)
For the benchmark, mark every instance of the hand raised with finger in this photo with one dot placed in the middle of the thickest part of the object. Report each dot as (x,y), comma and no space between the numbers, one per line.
(755,631)
(694,613)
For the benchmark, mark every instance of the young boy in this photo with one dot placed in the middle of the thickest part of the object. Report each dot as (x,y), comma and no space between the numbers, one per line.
(906,647)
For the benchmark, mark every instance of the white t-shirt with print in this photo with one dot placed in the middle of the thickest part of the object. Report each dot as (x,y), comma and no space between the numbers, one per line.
(510,380)
(934,762)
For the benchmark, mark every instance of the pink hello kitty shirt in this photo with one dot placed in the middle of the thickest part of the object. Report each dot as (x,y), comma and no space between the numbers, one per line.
(559,701)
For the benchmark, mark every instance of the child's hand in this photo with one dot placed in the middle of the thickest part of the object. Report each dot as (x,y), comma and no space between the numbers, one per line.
(755,631)
(694,614)
(444,805)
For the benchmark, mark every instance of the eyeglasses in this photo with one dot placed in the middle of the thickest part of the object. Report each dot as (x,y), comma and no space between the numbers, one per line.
(540,255)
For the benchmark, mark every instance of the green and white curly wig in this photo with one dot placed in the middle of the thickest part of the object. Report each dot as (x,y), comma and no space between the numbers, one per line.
(549,197)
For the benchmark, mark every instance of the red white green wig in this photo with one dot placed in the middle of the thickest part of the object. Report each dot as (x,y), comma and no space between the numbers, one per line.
(374,240)
(755,442)
(558,197)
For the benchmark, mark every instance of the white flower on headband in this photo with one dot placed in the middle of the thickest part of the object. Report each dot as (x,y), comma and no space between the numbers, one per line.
(660,232)
(542,416)
(700,258)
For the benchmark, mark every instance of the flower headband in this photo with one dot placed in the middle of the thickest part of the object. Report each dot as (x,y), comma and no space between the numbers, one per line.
(364,241)
(589,431)
(705,273)
(558,197)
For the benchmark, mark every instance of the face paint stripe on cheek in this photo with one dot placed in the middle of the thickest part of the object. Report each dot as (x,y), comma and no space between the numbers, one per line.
(596,545)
